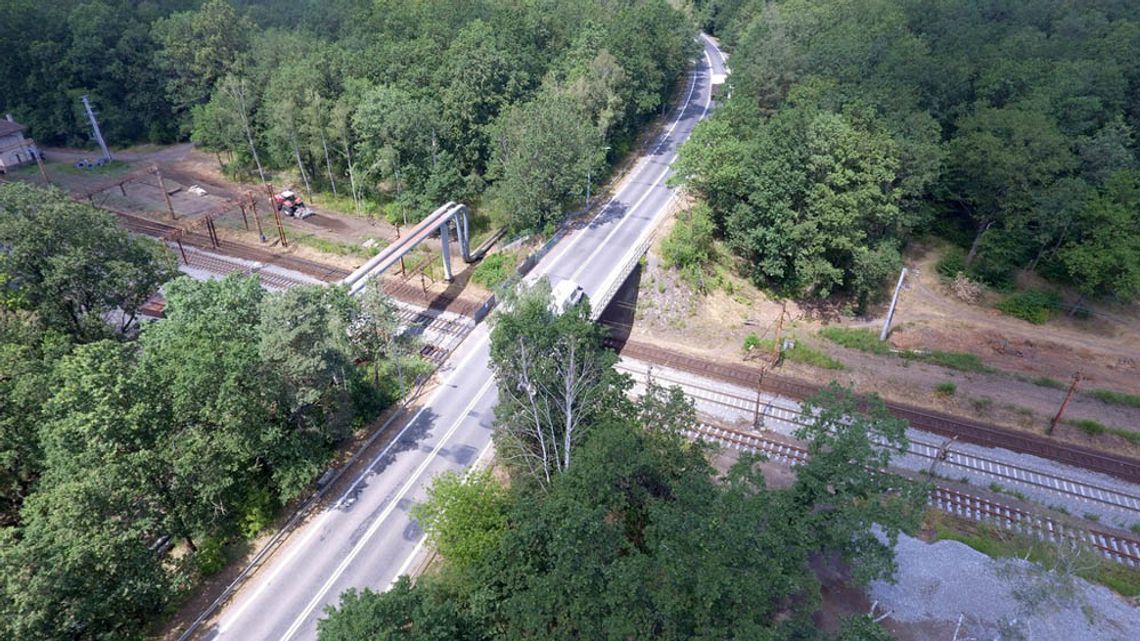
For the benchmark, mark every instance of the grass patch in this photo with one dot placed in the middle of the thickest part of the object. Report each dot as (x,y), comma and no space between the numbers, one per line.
(1089,426)
(339,248)
(1096,428)
(1115,398)
(867,341)
(495,269)
(798,353)
(960,361)
(1051,383)
(945,389)
(861,339)
(113,168)
(1034,306)
(343,204)
(1002,544)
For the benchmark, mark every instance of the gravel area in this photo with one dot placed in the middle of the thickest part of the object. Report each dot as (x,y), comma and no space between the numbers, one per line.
(941,583)
(777,410)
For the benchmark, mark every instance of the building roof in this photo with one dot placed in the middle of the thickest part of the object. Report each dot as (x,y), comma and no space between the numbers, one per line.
(9,127)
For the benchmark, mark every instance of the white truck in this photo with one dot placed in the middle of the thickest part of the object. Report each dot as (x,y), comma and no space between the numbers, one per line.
(564,295)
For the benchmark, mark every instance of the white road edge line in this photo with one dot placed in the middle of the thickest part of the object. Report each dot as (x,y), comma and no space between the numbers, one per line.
(379,520)
(642,166)
(420,544)
(629,214)
(312,527)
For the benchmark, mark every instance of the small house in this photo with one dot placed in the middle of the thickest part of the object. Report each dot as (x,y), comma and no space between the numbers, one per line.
(15,149)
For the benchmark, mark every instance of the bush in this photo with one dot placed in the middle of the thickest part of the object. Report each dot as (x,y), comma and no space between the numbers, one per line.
(952,263)
(494,270)
(945,389)
(689,246)
(1115,398)
(210,557)
(1034,306)
(751,342)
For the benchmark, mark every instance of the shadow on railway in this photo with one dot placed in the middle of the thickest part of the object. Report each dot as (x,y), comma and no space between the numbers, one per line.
(619,315)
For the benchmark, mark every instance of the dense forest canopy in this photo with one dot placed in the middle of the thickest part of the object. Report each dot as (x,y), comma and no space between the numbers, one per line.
(1006,126)
(418,100)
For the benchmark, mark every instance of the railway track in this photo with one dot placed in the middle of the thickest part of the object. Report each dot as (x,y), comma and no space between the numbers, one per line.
(956,460)
(1114,546)
(1122,467)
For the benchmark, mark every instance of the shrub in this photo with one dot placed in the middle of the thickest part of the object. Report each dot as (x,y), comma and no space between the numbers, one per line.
(689,247)
(210,557)
(494,269)
(751,342)
(945,389)
(952,263)
(1115,398)
(1034,306)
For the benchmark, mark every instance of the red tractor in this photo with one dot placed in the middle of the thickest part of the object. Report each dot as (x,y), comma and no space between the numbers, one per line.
(291,204)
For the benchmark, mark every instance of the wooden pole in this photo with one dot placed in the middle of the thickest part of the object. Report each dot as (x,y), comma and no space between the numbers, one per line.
(182,250)
(244,218)
(1064,403)
(280,227)
(256,218)
(43,171)
(165,194)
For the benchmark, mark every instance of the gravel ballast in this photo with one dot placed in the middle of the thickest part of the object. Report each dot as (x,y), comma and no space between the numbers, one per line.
(1002,599)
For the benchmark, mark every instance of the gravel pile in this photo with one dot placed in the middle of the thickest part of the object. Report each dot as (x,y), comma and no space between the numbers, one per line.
(997,599)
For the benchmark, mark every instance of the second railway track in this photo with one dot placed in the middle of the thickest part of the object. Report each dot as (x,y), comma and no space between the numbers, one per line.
(990,467)
(1122,467)
(1115,546)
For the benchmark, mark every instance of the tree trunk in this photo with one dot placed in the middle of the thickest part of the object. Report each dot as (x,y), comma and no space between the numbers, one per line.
(239,95)
(983,227)
(324,142)
(301,168)
(1076,306)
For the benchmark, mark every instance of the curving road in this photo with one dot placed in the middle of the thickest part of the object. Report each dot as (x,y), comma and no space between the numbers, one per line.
(367,538)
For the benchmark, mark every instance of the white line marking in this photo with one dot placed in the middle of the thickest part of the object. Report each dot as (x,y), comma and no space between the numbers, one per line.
(393,502)
(668,165)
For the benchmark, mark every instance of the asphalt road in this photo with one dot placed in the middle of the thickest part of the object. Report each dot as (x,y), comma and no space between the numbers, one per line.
(367,538)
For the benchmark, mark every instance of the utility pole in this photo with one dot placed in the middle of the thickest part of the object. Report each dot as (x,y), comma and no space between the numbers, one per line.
(95,127)
(891,311)
(1064,403)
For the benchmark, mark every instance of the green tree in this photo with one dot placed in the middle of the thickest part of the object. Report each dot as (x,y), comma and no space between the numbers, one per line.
(463,516)
(72,264)
(842,491)
(422,612)
(199,48)
(555,379)
(1103,256)
(543,153)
